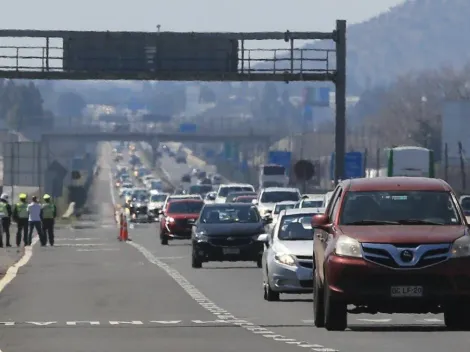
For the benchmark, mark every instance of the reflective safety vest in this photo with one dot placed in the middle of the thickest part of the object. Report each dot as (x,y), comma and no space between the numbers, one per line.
(48,211)
(22,209)
(3,210)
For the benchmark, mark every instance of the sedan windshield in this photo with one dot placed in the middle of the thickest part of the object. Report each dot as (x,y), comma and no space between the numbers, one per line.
(224,191)
(158,197)
(312,204)
(279,196)
(296,228)
(185,207)
(217,215)
(399,208)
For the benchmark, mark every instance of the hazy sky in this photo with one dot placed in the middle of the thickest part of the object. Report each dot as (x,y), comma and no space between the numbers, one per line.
(187,15)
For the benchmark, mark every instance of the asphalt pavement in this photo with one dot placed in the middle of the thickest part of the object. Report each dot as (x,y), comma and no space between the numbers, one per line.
(235,289)
(93,293)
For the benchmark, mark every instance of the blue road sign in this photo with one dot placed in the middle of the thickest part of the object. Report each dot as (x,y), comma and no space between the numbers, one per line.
(323,96)
(188,127)
(280,157)
(353,165)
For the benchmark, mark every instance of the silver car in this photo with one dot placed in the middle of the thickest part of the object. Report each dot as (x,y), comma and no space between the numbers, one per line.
(287,261)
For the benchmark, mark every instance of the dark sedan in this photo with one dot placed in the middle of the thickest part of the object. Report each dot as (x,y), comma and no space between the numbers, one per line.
(227,232)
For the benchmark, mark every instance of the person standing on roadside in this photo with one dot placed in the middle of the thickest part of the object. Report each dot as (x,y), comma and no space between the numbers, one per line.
(48,215)
(5,210)
(34,218)
(20,216)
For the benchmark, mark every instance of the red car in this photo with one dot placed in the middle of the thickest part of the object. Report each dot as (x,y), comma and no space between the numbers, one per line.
(244,199)
(391,245)
(178,219)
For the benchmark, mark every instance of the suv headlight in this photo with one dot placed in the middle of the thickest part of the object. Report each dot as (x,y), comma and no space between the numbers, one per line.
(285,259)
(461,247)
(348,247)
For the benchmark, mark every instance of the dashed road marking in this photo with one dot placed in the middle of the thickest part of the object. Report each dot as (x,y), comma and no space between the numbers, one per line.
(221,313)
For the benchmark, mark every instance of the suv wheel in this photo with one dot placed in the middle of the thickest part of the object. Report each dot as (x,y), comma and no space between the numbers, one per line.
(269,294)
(336,314)
(318,304)
(196,263)
(456,318)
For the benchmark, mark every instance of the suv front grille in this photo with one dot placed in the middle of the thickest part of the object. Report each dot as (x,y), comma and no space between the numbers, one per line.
(419,256)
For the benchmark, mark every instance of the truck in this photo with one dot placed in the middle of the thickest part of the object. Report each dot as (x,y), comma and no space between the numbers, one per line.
(407,161)
(273,175)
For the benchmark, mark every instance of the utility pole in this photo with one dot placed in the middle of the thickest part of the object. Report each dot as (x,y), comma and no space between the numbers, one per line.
(340,99)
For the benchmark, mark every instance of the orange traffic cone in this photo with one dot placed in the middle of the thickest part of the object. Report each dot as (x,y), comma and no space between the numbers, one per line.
(125,233)
(121,223)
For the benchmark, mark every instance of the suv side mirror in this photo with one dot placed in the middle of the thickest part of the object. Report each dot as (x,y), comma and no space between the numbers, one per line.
(320,221)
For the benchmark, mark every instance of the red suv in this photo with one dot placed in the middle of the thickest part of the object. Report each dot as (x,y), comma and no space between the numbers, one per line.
(391,245)
(179,217)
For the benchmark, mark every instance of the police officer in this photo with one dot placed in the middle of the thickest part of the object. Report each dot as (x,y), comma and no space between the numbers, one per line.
(21,217)
(5,209)
(48,215)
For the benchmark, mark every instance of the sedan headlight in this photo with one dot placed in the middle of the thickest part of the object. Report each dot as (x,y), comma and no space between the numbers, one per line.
(201,235)
(285,259)
(461,247)
(348,247)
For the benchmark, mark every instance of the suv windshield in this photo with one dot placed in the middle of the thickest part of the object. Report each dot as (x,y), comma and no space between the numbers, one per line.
(227,214)
(158,197)
(399,207)
(296,228)
(279,196)
(185,207)
(224,191)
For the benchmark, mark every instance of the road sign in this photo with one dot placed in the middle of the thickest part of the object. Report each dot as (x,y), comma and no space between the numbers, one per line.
(188,127)
(353,165)
(280,157)
(304,170)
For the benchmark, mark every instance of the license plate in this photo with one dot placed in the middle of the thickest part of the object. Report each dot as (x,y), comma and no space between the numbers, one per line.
(406,291)
(231,250)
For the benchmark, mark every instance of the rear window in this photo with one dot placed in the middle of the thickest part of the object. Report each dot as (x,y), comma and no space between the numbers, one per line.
(274,170)
(185,207)
(224,191)
(279,196)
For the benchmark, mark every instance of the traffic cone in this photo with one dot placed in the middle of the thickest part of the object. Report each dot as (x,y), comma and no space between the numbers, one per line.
(125,233)
(121,227)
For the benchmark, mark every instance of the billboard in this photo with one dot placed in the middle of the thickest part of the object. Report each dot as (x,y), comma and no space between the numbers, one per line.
(24,164)
(455,127)
(280,157)
(130,52)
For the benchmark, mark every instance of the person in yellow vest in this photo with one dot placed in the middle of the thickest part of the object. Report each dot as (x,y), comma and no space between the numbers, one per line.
(6,219)
(48,215)
(21,217)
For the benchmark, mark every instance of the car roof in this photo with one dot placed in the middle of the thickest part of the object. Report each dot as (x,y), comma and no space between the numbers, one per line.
(246,196)
(286,202)
(396,183)
(303,211)
(280,189)
(191,200)
(223,205)
(237,185)
(182,196)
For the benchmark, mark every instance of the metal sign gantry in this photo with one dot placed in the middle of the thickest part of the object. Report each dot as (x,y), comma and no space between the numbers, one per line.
(176,56)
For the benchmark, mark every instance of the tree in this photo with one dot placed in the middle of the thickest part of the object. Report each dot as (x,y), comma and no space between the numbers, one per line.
(70,104)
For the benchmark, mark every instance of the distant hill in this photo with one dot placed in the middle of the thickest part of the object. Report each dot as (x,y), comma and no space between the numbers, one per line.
(416,35)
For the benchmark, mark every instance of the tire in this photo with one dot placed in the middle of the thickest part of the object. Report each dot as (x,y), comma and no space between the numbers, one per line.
(456,317)
(336,314)
(196,263)
(269,294)
(318,304)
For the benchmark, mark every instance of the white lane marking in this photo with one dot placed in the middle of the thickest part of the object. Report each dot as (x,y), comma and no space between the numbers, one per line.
(98,250)
(375,320)
(111,322)
(221,313)
(13,270)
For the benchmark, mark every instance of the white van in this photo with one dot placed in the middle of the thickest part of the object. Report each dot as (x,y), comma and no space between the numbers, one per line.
(224,190)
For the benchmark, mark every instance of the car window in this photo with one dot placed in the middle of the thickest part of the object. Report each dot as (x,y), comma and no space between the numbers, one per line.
(158,197)
(296,227)
(225,191)
(245,214)
(312,204)
(400,207)
(185,207)
(279,196)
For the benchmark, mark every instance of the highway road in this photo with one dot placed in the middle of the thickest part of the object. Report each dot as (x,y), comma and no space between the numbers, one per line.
(93,293)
